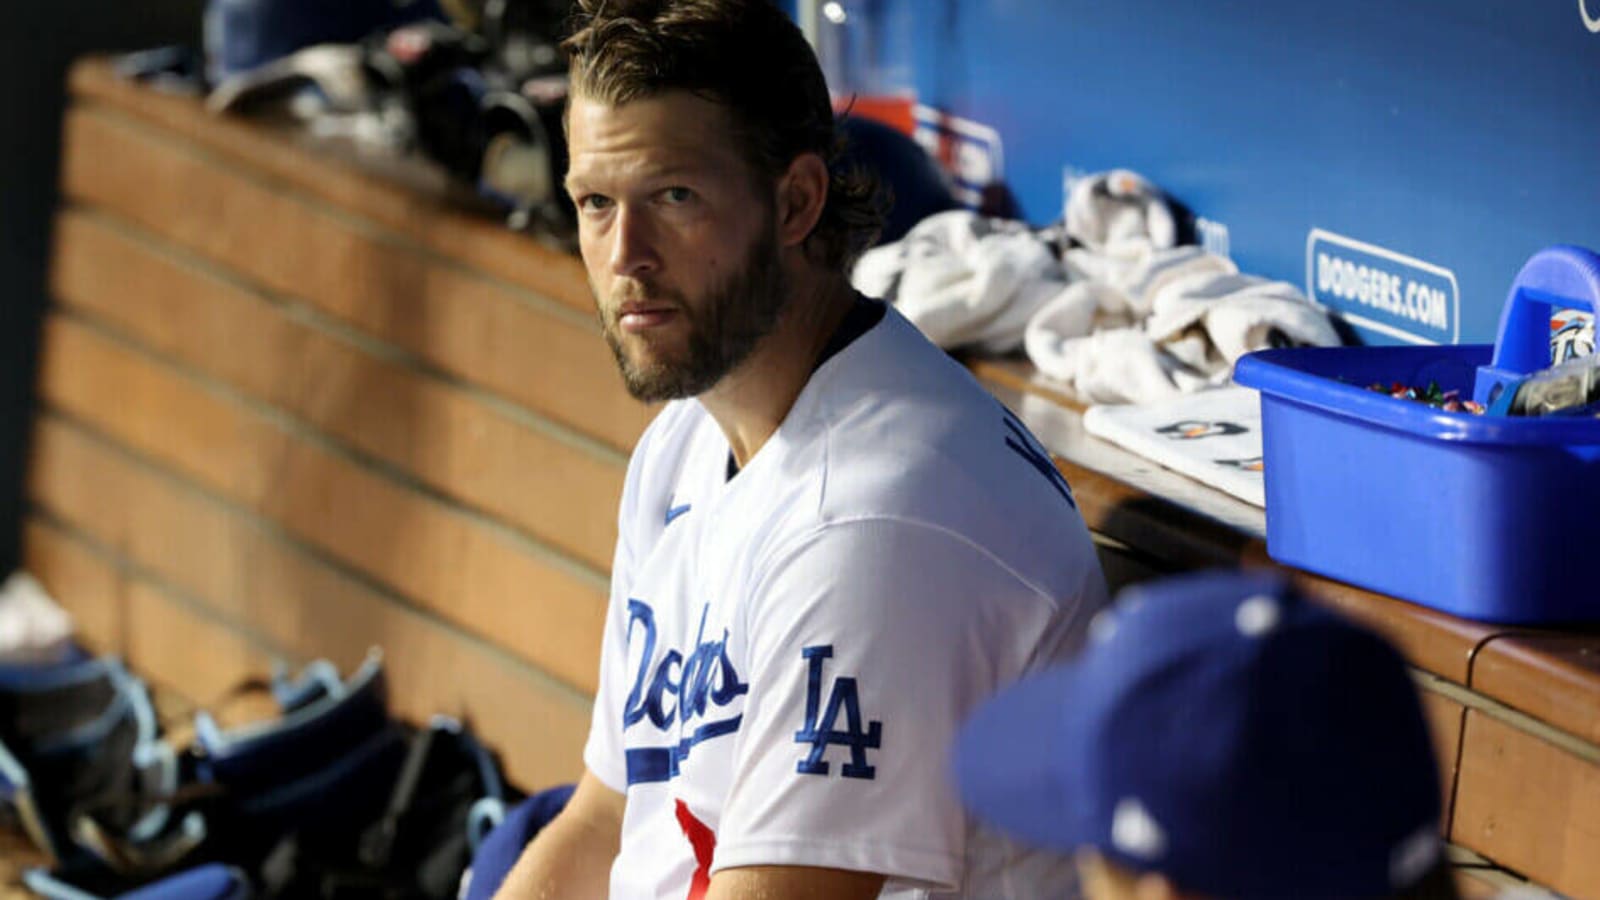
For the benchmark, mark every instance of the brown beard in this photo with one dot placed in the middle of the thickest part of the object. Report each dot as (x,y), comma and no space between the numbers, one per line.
(724,328)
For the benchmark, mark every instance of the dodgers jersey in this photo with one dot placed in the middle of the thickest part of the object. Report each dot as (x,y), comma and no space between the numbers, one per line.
(789,652)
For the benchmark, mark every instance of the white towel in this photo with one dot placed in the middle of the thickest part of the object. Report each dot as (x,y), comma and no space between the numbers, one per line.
(1125,318)
(1165,267)
(1119,208)
(1240,314)
(1121,365)
(1213,437)
(33,627)
(964,279)
(1193,315)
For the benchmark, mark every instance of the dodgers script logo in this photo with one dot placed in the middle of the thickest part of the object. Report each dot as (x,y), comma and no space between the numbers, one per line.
(689,689)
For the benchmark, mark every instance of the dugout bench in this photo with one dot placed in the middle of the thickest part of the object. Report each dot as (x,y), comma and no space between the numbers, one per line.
(295,401)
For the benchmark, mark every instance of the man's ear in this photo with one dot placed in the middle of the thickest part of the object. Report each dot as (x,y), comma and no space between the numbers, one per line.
(802,193)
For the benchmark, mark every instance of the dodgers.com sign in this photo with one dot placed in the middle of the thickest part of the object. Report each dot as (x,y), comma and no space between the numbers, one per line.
(1379,290)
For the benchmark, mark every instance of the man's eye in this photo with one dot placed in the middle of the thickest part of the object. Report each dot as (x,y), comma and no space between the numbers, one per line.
(594,202)
(677,195)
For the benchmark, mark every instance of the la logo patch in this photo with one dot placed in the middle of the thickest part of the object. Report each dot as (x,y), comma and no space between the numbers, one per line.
(821,734)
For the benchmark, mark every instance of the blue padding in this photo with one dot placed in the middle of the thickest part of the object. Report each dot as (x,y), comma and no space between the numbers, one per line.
(499,851)
(213,881)
(317,680)
(73,668)
(355,781)
(24,673)
(72,733)
(209,882)
(302,741)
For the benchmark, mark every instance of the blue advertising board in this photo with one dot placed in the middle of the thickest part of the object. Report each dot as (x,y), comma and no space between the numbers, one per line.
(1400,161)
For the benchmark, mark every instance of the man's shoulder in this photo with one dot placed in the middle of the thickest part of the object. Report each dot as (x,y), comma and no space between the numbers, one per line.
(914,438)
(975,479)
(941,453)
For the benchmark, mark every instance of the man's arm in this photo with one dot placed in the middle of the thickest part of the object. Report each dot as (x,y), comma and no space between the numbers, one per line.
(868,642)
(571,857)
(793,883)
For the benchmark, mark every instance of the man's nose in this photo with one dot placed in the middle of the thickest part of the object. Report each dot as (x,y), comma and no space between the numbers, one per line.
(633,250)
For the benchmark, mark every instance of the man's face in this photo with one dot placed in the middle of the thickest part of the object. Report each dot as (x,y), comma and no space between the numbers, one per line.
(680,244)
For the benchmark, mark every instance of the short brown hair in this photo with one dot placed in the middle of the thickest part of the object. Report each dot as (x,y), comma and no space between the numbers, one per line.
(748,56)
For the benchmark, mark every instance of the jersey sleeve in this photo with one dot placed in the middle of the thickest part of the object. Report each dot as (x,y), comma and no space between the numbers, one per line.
(870,641)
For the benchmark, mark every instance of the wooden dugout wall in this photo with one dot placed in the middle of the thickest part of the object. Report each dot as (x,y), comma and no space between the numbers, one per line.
(292,409)
(294,405)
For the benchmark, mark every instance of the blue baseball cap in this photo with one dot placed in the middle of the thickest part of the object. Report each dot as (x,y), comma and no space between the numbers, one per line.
(1225,732)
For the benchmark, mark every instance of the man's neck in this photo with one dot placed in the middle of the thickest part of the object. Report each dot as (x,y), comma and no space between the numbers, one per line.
(750,402)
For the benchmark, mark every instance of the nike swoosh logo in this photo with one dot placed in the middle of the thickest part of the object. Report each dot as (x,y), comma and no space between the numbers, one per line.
(675,511)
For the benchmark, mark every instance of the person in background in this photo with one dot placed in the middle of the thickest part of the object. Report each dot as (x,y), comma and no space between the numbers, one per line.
(1220,737)
(832,541)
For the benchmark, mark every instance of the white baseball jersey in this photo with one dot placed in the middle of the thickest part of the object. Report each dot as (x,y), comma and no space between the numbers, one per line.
(789,653)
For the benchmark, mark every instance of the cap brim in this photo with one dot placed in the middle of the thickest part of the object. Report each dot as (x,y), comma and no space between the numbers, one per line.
(1013,761)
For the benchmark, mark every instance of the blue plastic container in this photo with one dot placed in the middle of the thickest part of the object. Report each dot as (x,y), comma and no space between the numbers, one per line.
(1489,518)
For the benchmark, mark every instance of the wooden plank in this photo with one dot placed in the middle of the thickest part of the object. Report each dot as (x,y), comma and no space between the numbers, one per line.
(454,442)
(86,585)
(454,564)
(1180,537)
(17,855)
(301,608)
(1529,806)
(1430,640)
(1552,677)
(409,196)
(1486,882)
(197,657)
(1445,720)
(1020,375)
(1478,884)
(551,361)
(1124,568)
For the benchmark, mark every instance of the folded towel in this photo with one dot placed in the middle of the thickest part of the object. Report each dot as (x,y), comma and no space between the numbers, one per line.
(1166,322)
(1240,314)
(1213,437)
(1166,267)
(1117,366)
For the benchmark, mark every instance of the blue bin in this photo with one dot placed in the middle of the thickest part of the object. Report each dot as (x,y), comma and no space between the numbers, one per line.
(1485,517)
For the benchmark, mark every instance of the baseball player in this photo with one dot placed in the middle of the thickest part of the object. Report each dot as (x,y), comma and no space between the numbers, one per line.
(1220,737)
(833,543)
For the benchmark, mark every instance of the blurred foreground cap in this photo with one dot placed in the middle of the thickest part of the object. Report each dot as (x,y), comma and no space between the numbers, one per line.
(1225,732)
